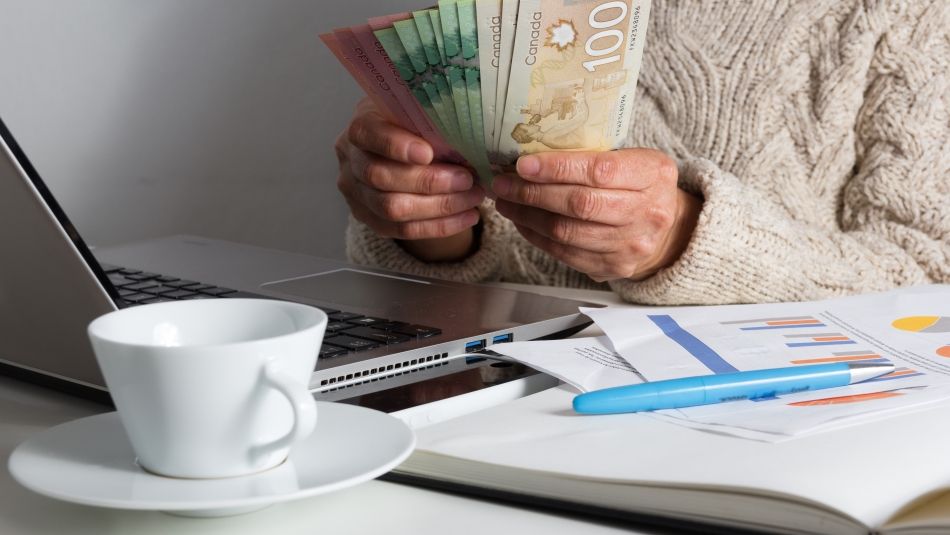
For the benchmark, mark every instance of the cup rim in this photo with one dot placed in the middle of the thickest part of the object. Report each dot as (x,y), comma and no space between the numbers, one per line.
(96,325)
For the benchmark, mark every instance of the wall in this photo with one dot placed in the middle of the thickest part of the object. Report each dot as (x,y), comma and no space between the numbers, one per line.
(210,117)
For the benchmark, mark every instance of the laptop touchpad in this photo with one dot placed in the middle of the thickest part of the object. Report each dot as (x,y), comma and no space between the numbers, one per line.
(354,288)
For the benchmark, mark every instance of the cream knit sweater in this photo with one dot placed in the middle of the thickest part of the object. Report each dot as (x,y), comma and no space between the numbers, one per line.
(816,132)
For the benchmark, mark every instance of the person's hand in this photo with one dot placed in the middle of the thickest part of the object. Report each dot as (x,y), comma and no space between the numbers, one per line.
(391,184)
(611,215)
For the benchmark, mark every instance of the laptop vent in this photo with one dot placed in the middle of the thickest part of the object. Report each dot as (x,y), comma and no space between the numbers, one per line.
(384,372)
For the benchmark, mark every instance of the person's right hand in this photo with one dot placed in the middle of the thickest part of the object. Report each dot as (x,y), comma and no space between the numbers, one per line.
(391,184)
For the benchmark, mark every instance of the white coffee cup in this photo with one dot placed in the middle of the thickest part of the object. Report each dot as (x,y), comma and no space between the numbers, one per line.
(211,388)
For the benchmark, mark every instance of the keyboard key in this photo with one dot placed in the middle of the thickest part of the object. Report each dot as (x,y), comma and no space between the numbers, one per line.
(420,331)
(178,293)
(350,342)
(200,286)
(335,326)
(327,351)
(141,285)
(217,291)
(123,292)
(137,297)
(243,295)
(198,296)
(159,290)
(376,335)
(165,279)
(127,271)
(181,283)
(344,316)
(143,276)
(329,310)
(118,280)
(367,320)
(108,268)
(158,299)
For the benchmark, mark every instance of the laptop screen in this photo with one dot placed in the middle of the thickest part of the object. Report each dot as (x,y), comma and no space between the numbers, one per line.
(56,209)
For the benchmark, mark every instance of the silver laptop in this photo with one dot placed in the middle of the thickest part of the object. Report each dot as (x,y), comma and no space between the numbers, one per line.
(388,333)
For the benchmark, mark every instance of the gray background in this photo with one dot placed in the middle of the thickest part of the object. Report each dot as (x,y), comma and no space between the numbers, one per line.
(209,117)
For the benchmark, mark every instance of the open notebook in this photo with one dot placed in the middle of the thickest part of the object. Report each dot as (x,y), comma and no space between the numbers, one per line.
(890,476)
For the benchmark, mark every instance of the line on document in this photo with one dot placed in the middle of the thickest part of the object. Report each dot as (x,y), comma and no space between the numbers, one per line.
(693,345)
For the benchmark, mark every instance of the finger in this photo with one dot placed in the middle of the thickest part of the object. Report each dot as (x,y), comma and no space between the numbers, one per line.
(390,175)
(631,169)
(608,206)
(585,235)
(440,227)
(405,207)
(371,132)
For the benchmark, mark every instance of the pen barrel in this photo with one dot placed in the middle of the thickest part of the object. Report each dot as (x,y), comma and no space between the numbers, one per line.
(704,390)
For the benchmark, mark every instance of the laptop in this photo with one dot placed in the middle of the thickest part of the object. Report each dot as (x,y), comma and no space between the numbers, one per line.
(393,341)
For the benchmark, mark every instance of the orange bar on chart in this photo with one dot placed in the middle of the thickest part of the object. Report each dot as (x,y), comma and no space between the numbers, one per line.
(830,338)
(847,358)
(792,322)
(845,399)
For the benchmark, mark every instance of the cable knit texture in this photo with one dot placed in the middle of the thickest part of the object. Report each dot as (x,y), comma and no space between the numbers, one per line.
(817,134)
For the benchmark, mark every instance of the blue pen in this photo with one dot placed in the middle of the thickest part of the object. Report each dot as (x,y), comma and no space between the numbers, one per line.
(718,388)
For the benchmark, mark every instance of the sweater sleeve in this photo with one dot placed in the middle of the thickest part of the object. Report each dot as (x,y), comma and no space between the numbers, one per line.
(893,225)
(364,246)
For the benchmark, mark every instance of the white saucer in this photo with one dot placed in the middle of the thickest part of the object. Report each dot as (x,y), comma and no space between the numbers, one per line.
(90,461)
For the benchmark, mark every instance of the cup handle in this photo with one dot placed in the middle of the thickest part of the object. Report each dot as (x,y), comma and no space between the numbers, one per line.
(305,409)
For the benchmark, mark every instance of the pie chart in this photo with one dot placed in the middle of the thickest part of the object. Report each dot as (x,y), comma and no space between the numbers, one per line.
(923,324)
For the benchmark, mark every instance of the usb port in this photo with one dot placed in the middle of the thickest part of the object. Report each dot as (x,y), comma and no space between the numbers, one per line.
(502,338)
(474,345)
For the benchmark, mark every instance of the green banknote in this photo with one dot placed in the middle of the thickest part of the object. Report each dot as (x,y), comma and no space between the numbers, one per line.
(397,54)
(462,72)
(433,82)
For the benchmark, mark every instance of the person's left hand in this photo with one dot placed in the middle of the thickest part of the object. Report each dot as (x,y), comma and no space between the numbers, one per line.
(611,215)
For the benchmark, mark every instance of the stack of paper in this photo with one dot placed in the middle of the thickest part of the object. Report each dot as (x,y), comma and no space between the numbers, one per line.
(909,328)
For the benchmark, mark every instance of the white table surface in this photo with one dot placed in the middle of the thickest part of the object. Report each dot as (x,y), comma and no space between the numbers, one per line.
(372,507)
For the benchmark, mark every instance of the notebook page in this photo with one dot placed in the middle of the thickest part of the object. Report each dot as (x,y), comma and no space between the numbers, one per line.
(867,472)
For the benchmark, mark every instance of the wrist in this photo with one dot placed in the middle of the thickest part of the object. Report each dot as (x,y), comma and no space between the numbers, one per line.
(453,248)
(688,208)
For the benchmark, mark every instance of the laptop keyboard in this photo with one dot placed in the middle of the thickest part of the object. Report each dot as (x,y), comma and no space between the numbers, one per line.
(346,331)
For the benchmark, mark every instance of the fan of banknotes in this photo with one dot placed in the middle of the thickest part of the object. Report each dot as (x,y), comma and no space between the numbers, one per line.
(486,81)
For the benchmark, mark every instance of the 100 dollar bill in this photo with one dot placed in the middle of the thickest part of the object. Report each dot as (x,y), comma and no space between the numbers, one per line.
(574,71)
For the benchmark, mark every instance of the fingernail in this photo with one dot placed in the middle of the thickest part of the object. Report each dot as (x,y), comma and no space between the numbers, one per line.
(420,153)
(501,185)
(470,218)
(528,166)
(460,180)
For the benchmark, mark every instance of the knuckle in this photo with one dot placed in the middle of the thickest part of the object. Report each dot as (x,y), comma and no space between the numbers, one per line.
(563,230)
(339,147)
(395,207)
(427,180)
(446,205)
(585,204)
(667,170)
(359,131)
(660,218)
(529,194)
(603,169)
(375,174)
(561,167)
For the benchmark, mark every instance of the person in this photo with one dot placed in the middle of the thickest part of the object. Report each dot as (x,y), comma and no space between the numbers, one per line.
(782,151)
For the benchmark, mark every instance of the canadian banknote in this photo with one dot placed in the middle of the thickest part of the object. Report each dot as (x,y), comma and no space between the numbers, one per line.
(574,71)
(490,80)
